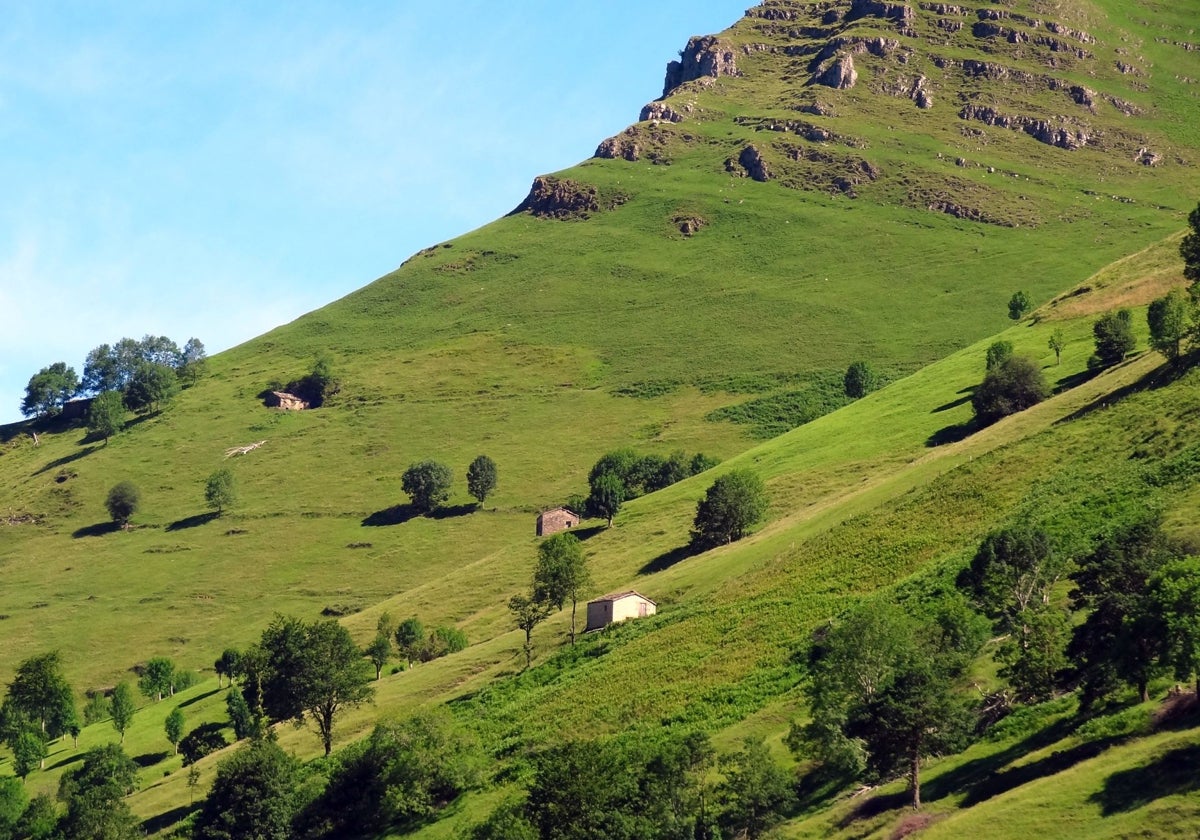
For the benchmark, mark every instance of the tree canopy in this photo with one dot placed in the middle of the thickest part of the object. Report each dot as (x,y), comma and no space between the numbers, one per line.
(427,483)
(1171,320)
(1189,248)
(152,386)
(252,796)
(561,574)
(122,502)
(733,504)
(860,380)
(1013,385)
(481,478)
(220,490)
(49,389)
(1114,336)
(1018,305)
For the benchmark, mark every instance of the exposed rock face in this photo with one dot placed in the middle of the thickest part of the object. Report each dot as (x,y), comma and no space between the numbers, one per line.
(703,56)
(689,225)
(839,75)
(660,111)
(749,162)
(1148,158)
(1062,136)
(620,146)
(874,8)
(562,198)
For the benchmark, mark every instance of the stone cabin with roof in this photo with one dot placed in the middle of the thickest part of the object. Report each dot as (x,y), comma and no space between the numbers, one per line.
(618,606)
(552,521)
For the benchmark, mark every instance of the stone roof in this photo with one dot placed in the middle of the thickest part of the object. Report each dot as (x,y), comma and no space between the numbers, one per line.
(617,596)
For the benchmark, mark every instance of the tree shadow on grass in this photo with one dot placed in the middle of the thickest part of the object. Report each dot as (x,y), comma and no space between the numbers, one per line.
(149,759)
(588,532)
(1172,773)
(198,698)
(160,822)
(1159,377)
(97,530)
(952,434)
(952,404)
(395,515)
(1055,763)
(66,459)
(668,559)
(193,521)
(63,762)
(452,511)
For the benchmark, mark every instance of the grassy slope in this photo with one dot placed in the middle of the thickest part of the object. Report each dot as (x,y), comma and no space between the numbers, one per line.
(516,340)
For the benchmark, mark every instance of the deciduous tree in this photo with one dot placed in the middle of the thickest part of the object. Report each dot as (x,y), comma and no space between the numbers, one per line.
(1014,385)
(1174,598)
(410,636)
(1057,343)
(48,389)
(561,574)
(481,478)
(193,361)
(158,678)
(860,380)
(106,414)
(152,387)
(607,496)
(252,796)
(95,793)
(40,692)
(998,353)
(1114,336)
(427,483)
(122,707)
(756,792)
(379,651)
(1018,305)
(733,504)
(220,490)
(122,502)
(173,726)
(1171,321)
(1189,248)
(528,613)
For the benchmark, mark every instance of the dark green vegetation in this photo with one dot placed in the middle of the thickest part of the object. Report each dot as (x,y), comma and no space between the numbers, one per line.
(696,308)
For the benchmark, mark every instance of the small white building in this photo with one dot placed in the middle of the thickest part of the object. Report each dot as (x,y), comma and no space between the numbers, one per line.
(617,607)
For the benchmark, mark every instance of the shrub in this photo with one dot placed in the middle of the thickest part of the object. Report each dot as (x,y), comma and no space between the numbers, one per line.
(733,503)
(1114,337)
(860,380)
(122,502)
(1014,385)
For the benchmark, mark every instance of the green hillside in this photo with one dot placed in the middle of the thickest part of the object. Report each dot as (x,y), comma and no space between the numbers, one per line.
(679,292)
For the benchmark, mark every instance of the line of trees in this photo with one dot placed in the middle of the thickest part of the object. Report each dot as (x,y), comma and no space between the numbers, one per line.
(622,475)
(146,374)
(428,483)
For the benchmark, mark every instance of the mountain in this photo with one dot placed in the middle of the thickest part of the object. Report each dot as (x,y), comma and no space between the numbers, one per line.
(822,183)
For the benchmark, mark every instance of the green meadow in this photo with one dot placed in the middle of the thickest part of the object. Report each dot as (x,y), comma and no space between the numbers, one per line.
(545,343)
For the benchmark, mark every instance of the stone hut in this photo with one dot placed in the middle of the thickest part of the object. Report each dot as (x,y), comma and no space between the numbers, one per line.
(76,409)
(617,607)
(552,521)
(286,401)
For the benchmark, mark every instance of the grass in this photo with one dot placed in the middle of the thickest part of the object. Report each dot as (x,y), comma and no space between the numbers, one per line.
(544,344)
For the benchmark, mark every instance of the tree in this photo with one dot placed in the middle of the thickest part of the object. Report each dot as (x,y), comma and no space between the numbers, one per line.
(860,380)
(220,490)
(106,414)
(442,641)
(13,801)
(1014,385)
(1018,305)
(253,796)
(1057,343)
(998,353)
(40,692)
(608,494)
(410,636)
(101,372)
(158,678)
(314,672)
(1114,336)
(1170,319)
(173,726)
(29,752)
(403,773)
(734,502)
(48,389)
(243,720)
(193,361)
(1013,571)
(481,478)
(561,573)
(122,502)
(1189,248)
(122,708)
(1121,636)
(227,665)
(528,613)
(882,691)
(204,740)
(428,485)
(1034,658)
(159,350)
(95,793)
(1174,597)
(756,792)
(379,651)
(153,386)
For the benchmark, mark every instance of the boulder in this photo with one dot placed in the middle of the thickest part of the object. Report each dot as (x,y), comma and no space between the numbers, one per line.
(839,75)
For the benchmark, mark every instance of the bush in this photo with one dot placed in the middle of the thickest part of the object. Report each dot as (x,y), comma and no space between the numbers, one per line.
(96,709)
(1114,337)
(1014,385)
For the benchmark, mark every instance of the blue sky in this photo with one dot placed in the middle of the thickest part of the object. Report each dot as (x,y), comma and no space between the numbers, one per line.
(216,169)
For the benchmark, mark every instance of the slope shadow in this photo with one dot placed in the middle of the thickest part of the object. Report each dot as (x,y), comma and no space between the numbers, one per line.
(193,521)
(159,822)
(1159,377)
(668,559)
(1055,763)
(66,459)
(1172,773)
(97,530)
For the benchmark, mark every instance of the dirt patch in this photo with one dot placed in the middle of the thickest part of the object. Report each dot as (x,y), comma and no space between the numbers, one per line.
(911,824)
